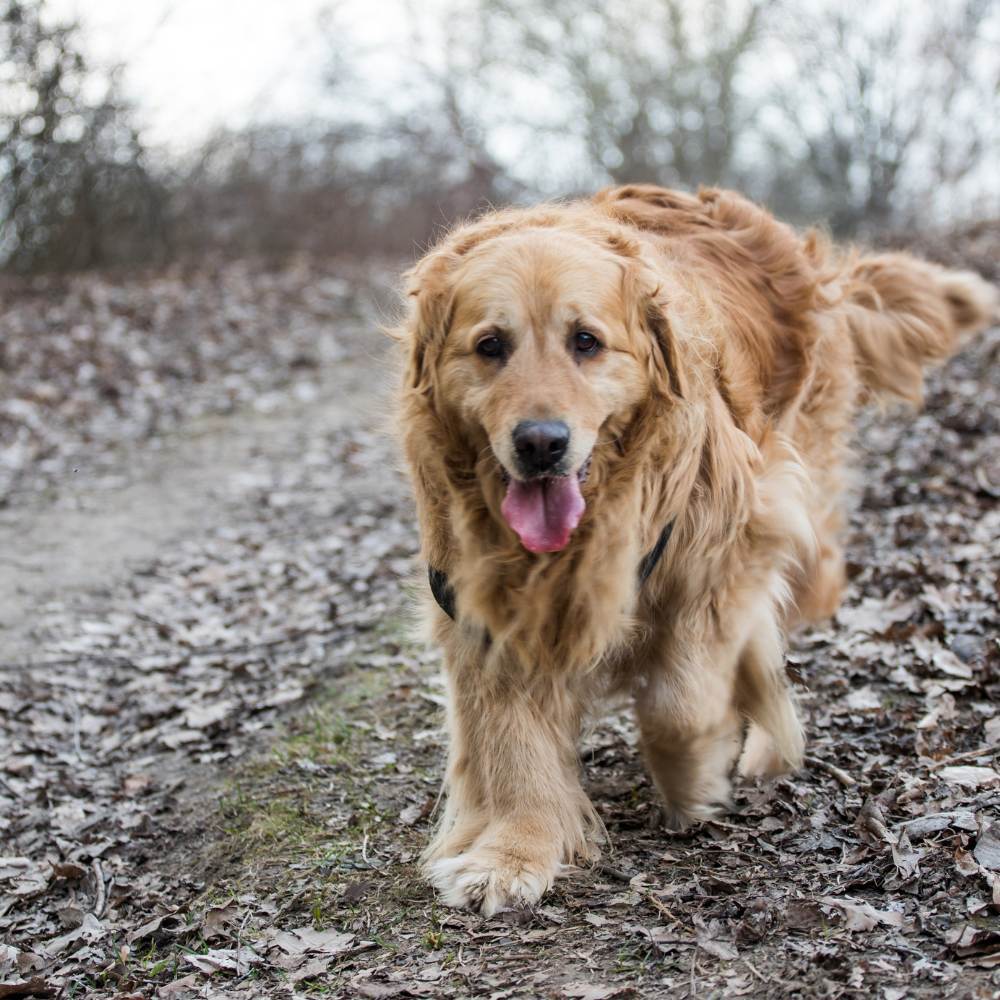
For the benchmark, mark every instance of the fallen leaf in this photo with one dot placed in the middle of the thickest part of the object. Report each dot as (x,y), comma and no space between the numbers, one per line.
(412,814)
(34,987)
(865,699)
(224,960)
(218,919)
(863,916)
(987,849)
(313,968)
(922,826)
(969,939)
(302,940)
(167,923)
(724,950)
(354,892)
(595,991)
(905,857)
(941,658)
(991,731)
(181,989)
(969,776)
(91,929)
(69,870)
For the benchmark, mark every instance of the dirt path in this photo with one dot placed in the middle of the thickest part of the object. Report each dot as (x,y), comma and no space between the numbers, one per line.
(95,533)
(219,749)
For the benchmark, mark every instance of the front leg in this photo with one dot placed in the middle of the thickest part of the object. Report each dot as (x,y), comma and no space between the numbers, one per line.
(515,810)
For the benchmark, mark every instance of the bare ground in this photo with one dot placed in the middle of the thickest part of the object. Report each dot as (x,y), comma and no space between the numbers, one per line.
(220,750)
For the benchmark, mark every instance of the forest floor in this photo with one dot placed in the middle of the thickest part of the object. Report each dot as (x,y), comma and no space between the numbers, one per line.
(220,749)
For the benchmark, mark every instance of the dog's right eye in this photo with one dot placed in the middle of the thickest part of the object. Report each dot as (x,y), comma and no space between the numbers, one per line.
(491,346)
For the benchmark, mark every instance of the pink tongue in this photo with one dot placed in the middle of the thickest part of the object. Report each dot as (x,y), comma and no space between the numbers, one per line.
(544,512)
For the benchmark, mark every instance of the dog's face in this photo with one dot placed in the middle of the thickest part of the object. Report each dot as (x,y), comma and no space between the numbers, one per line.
(543,346)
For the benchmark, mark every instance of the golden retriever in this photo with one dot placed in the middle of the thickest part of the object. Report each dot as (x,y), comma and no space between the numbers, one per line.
(627,421)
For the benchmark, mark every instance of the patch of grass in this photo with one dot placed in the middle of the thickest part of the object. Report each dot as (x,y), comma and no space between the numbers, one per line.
(435,934)
(309,803)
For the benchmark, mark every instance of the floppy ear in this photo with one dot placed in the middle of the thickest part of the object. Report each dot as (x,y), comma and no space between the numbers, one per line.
(428,287)
(425,434)
(428,291)
(648,313)
(666,369)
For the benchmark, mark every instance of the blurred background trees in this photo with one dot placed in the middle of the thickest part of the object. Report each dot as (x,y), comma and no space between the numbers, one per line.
(868,118)
(889,112)
(75,187)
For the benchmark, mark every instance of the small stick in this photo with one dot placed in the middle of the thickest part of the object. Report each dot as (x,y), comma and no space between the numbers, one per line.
(835,772)
(364,857)
(983,752)
(664,911)
(763,979)
(616,873)
(100,893)
(239,944)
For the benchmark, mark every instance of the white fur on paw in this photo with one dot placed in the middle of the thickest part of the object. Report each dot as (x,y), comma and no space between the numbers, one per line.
(678,819)
(760,757)
(489,881)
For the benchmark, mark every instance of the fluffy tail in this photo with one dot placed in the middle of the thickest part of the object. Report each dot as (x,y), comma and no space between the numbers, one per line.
(904,314)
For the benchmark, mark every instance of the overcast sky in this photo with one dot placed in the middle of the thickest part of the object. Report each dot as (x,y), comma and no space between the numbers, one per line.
(195,64)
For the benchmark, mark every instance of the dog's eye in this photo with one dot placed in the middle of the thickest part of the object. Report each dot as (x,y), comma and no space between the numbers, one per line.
(491,346)
(585,342)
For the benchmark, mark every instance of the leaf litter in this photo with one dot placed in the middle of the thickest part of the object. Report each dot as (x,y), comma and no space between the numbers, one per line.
(217,772)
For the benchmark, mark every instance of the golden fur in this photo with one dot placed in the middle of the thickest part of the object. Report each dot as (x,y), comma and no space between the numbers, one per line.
(734,353)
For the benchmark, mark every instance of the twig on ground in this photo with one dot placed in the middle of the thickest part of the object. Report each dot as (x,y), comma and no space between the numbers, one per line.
(760,976)
(364,857)
(968,755)
(616,873)
(100,892)
(835,772)
(664,911)
(239,944)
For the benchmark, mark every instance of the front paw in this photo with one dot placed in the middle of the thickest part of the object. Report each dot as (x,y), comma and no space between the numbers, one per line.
(490,879)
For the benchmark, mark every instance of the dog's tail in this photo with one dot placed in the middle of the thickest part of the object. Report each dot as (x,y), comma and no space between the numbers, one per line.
(904,314)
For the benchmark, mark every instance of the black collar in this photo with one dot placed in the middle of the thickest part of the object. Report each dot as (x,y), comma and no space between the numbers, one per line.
(444,592)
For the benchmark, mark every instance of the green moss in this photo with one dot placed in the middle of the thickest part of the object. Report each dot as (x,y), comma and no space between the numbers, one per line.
(273,813)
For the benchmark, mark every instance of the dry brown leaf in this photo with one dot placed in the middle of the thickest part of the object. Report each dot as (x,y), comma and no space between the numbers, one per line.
(34,987)
(987,849)
(225,960)
(306,940)
(860,916)
(970,776)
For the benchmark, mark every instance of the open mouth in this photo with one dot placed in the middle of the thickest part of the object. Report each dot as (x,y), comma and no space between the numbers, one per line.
(545,510)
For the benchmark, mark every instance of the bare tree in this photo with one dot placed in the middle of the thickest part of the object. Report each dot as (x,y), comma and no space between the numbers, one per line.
(888,108)
(74,187)
(655,90)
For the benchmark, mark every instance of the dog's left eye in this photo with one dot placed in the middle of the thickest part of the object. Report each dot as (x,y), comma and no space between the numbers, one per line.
(490,346)
(585,342)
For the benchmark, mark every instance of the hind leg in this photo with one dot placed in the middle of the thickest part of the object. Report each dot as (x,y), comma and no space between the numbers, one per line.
(775,742)
(821,589)
(690,737)
(691,721)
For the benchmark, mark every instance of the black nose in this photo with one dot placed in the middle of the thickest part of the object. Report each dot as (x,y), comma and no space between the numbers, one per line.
(540,445)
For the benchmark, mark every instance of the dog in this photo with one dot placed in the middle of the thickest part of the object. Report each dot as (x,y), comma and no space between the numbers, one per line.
(627,421)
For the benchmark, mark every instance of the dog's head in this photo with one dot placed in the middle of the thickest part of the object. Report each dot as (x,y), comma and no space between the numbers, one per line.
(535,339)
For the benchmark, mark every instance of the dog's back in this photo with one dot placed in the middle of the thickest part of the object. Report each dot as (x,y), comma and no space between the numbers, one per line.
(808,331)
